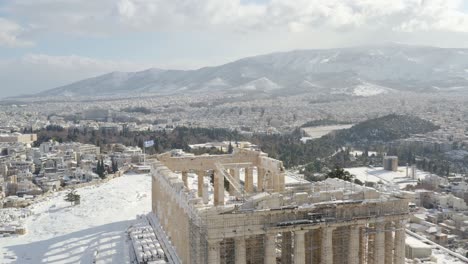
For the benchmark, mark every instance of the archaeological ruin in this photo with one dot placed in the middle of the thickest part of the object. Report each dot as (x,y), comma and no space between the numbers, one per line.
(242,208)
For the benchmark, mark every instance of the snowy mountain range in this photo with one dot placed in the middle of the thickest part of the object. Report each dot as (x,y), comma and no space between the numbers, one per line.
(358,71)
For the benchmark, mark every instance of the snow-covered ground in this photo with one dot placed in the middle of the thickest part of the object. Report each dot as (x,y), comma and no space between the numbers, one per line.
(359,153)
(369,89)
(440,254)
(320,131)
(378,174)
(60,233)
(13,218)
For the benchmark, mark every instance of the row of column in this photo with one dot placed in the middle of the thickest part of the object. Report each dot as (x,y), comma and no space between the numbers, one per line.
(387,247)
(262,182)
(235,173)
(248,178)
(202,188)
(218,184)
(265,179)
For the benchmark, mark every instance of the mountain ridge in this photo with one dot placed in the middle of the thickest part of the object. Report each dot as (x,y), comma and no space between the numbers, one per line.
(384,68)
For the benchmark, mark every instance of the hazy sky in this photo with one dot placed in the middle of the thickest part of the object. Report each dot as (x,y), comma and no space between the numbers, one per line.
(48,43)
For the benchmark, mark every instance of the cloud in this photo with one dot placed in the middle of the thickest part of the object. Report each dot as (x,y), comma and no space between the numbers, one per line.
(35,72)
(9,34)
(295,15)
(108,16)
(439,15)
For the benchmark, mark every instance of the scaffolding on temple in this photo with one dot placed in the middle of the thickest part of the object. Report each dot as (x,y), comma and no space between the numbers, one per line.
(239,209)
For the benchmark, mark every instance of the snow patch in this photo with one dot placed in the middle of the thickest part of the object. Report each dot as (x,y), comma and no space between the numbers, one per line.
(369,89)
(216,82)
(263,83)
(331,58)
(308,84)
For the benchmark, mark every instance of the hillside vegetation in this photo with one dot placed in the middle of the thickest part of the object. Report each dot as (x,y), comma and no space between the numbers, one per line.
(286,147)
(385,129)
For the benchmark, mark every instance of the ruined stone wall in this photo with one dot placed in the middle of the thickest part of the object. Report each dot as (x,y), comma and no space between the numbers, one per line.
(209,162)
(251,229)
(170,205)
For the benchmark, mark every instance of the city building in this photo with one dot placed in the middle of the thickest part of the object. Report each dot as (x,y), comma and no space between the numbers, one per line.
(18,138)
(390,163)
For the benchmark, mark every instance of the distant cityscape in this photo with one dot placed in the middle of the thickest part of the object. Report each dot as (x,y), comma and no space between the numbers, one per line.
(35,166)
(339,155)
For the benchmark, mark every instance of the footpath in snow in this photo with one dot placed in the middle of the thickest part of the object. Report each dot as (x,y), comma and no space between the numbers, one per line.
(58,232)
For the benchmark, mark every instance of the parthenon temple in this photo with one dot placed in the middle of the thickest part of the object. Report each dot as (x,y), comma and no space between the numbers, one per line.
(242,208)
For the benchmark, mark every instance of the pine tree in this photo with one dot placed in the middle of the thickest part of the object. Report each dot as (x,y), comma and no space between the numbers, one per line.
(73,197)
(115,167)
(230,148)
(100,169)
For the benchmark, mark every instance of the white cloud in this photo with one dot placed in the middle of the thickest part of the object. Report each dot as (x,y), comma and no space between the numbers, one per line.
(126,8)
(438,15)
(109,16)
(296,15)
(9,34)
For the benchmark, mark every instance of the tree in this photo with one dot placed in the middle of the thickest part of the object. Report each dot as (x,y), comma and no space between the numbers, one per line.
(115,167)
(357,181)
(100,169)
(339,173)
(73,197)
(230,148)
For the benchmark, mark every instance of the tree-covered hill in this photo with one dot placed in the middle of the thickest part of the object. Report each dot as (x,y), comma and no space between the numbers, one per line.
(385,129)
(365,135)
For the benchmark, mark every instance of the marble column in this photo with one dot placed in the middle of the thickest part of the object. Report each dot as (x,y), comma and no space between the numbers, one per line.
(379,244)
(353,246)
(308,247)
(315,242)
(286,248)
(275,178)
(389,244)
(371,243)
(218,188)
(299,247)
(270,248)
(248,180)
(201,177)
(185,178)
(260,178)
(363,245)
(327,245)
(213,252)
(399,252)
(281,182)
(206,196)
(240,250)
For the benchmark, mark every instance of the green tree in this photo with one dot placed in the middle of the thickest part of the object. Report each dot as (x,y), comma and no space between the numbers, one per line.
(339,173)
(230,148)
(72,197)
(100,169)
(115,167)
